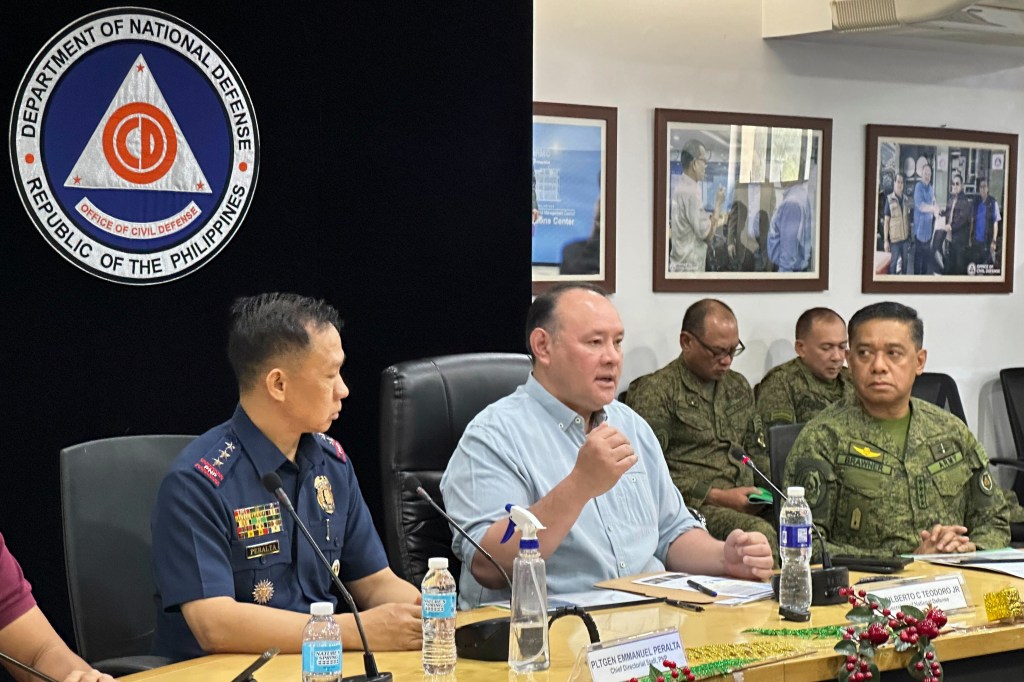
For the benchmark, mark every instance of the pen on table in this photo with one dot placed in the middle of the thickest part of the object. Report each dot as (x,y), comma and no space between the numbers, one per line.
(701,588)
(685,605)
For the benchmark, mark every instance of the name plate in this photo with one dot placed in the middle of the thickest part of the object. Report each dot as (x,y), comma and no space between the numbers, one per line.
(620,659)
(946,592)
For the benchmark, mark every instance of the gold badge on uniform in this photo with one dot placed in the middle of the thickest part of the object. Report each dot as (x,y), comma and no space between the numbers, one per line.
(263,592)
(336,567)
(324,495)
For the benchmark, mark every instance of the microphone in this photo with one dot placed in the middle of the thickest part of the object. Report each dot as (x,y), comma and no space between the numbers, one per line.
(27,668)
(414,483)
(485,640)
(825,581)
(272,482)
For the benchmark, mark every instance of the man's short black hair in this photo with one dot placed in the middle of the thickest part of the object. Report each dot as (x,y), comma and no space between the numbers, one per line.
(809,317)
(271,325)
(542,311)
(693,318)
(889,310)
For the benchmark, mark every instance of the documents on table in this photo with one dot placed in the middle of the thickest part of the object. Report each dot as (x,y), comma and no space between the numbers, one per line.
(590,599)
(1007,561)
(735,591)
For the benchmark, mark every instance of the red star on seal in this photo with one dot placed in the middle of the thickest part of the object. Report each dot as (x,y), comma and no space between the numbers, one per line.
(199,185)
(140,68)
(78,180)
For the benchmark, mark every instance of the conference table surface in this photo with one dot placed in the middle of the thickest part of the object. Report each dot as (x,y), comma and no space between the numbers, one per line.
(968,634)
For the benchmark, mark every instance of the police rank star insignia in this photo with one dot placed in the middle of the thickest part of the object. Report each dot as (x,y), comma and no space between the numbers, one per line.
(324,494)
(263,592)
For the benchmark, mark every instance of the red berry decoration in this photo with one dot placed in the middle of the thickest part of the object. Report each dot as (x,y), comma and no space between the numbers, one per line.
(877,634)
(675,674)
(929,655)
(937,616)
(850,667)
(886,612)
(919,665)
(900,615)
(862,593)
(660,678)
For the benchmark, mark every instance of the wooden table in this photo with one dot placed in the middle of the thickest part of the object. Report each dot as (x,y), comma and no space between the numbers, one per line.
(974,637)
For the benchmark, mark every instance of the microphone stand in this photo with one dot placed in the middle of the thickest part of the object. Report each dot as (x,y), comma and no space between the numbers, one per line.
(485,640)
(369,663)
(825,581)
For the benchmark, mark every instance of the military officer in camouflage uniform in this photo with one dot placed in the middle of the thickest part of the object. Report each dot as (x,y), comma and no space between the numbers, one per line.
(700,409)
(796,391)
(886,473)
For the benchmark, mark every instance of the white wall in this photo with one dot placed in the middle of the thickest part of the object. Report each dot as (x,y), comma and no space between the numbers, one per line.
(708,54)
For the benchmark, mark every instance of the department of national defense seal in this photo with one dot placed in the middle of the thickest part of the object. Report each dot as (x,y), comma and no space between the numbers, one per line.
(134,146)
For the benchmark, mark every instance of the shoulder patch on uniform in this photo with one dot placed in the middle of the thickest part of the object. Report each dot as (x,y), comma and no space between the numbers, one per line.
(339,452)
(985,484)
(210,464)
(813,476)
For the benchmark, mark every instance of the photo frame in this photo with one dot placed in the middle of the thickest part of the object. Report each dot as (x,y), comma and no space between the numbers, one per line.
(573,211)
(710,170)
(938,211)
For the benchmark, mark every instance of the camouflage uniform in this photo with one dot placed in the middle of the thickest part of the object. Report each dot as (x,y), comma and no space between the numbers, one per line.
(791,393)
(868,499)
(697,423)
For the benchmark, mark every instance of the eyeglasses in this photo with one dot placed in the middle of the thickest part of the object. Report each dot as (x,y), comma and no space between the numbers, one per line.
(720,353)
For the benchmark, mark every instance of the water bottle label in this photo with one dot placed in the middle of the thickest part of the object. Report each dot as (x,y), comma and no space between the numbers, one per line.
(438,606)
(795,537)
(321,658)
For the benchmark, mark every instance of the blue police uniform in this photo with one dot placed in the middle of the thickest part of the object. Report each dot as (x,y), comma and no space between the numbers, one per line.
(217,532)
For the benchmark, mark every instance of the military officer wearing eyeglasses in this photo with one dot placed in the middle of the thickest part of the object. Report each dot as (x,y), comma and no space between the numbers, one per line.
(700,409)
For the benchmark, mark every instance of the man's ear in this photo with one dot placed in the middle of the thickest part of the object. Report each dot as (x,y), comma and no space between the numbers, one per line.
(540,345)
(799,347)
(275,381)
(922,358)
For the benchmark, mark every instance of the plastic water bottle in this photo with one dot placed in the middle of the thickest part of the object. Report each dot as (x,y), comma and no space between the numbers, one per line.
(438,592)
(528,649)
(321,645)
(795,548)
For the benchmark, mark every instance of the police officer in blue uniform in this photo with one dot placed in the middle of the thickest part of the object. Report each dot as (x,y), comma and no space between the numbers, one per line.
(232,572)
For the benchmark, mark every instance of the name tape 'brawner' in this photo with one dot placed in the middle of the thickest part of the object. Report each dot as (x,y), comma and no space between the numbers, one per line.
(100,146)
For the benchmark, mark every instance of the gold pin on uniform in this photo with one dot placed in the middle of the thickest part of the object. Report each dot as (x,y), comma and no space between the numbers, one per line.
(324,494)
(336,567)
(263,592)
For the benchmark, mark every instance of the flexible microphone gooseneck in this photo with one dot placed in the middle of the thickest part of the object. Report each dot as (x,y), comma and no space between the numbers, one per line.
(272,482)
(485,640)
(825,581)
(414,483)
(27,668)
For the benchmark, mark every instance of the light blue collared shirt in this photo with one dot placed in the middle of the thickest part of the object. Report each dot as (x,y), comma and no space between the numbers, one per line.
(518,449)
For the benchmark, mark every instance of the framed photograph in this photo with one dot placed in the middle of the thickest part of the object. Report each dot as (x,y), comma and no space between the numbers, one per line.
(741,201)
(938,211)
(573,213)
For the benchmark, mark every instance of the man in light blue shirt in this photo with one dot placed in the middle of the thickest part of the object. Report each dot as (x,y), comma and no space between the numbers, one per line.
(586,465)
(925,210)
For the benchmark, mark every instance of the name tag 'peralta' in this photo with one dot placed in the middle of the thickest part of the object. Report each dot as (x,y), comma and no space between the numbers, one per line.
(262,549)
(628,657)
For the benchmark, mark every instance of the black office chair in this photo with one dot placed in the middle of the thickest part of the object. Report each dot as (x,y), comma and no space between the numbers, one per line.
(939,389)
(108,488)
(425,407)
(1012,381)
(780,441)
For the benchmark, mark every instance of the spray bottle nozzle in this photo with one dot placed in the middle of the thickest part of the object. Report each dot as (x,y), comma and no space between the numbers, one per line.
(530,524)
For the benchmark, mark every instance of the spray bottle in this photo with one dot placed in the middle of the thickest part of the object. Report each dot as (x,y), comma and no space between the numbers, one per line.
(528,649)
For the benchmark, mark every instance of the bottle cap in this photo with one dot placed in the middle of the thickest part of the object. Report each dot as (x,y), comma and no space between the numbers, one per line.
(795,491)
(321,608)
(437,563)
